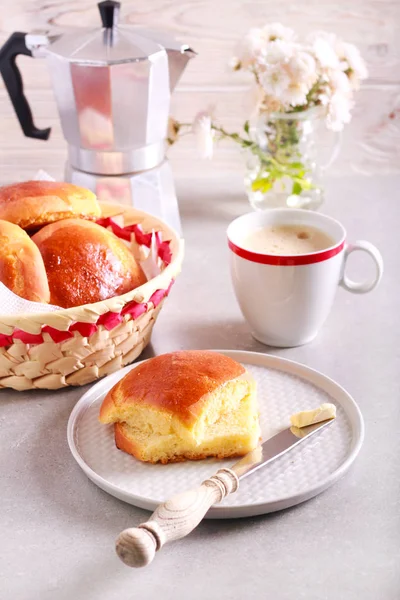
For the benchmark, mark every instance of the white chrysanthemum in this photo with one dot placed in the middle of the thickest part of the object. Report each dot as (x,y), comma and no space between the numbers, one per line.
(260,102)
(324,98)
(258,38)
(291,79)
(277,51)
(204,133)
(277,31)
(235,63)
(173,130)
(295,94)
(271,105)
(303,68)
(339,112)
(256,41)
(275,81)
(323,71)
(351,55)
(325,53)
(339,82)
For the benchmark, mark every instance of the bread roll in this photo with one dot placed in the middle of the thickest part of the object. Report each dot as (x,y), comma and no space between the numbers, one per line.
(85,263)
(32,204)
(184,405)
(21,265)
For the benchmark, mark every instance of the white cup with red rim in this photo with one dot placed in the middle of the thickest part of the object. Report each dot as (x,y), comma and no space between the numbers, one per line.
(286,299)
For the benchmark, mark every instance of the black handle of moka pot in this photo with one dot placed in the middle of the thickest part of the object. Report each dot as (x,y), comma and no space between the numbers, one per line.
(14,46)
(109,11)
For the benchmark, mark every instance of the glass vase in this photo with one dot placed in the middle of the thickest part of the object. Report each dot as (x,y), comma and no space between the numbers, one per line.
(285,165)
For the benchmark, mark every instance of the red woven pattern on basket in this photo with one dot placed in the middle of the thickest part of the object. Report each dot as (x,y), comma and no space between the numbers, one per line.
(109,320)
(134,308)
(85,329)
(143,239)
(56,335)
(27,338)
(5,340)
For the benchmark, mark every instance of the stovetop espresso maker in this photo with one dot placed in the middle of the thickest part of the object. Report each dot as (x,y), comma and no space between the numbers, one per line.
(113,86)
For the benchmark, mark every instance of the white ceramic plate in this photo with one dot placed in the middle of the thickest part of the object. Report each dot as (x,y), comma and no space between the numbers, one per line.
(284,387)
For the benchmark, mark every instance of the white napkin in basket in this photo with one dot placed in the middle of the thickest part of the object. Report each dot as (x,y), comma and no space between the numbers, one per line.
(11,304)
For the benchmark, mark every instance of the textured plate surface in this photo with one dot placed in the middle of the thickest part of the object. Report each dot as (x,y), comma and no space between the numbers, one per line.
(284,387)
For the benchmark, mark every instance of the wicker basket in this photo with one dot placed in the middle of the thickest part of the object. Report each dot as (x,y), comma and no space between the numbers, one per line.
(78,345)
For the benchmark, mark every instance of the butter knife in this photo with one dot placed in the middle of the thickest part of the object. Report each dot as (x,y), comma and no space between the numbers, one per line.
(179,515)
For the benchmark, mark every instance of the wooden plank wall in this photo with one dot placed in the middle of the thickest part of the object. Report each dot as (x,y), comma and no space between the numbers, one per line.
(371,142)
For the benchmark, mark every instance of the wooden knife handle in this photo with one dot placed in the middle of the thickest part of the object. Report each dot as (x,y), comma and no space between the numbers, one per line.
(173,519)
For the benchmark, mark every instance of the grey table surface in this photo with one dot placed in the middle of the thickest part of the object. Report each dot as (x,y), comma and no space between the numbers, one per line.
(58,529)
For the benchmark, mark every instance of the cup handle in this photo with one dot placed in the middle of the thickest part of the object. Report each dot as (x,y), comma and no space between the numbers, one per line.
(365,286)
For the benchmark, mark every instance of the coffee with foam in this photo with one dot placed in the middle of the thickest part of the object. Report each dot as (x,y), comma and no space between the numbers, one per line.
(287,240)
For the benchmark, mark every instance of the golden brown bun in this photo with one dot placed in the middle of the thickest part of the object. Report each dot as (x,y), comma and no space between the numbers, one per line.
(21,264)
(177,382)
(85,263)
(184,405)
(31,204)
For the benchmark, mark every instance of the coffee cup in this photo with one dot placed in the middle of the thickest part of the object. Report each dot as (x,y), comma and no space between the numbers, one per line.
(286,297)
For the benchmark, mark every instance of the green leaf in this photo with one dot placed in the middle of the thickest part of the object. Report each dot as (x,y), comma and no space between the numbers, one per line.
(296,165)
(306,185)
(303,183)
(262,185)
(246,127)
(296,189)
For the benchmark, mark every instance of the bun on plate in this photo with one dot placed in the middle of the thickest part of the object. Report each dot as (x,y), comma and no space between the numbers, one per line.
(184,405)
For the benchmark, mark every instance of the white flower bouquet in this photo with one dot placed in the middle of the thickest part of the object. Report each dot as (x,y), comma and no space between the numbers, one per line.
(295,82)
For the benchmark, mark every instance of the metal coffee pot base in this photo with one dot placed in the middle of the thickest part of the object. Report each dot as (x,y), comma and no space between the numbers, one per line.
(152,191)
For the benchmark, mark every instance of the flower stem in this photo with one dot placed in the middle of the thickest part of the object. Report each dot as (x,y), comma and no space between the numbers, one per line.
(277,160)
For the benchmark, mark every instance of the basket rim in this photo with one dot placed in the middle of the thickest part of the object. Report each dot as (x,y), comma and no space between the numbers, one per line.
(89,313)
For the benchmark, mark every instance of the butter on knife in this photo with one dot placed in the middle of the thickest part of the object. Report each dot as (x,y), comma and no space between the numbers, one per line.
(309,417)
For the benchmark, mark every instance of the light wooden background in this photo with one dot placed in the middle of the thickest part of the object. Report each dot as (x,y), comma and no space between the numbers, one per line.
(212,27)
